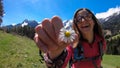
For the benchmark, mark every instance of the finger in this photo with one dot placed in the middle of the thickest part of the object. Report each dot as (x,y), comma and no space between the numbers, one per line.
(38,27)
(57,24)
(40,45)
(47,26)
(63,45)
(45,38)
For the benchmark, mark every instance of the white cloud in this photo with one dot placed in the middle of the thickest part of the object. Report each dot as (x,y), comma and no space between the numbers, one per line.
(108,13)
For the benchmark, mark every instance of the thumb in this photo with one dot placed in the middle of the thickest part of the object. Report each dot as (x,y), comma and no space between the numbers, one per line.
(40,44)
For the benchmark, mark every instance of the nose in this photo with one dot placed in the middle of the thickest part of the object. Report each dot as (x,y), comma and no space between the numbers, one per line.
(83,19)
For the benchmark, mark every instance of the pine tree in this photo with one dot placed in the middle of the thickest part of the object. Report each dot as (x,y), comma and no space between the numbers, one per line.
(1,11)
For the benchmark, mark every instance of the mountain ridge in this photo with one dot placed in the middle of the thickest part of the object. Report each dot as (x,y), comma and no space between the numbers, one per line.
(111,23)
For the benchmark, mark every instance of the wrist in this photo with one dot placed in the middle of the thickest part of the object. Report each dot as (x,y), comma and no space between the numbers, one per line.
(56,62)
(54,54)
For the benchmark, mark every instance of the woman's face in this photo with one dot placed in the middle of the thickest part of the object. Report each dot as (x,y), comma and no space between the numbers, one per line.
(85,22)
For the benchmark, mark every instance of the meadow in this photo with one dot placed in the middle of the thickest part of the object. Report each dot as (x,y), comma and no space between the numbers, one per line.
(21,52)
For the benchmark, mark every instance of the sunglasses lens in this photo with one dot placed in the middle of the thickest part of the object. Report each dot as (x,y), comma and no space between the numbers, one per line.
(85,17)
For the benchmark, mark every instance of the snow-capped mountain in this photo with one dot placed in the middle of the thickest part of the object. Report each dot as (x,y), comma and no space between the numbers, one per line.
(31,23)
(68,24)
(111,21)
(110,18)
(111,14)
(26,22)
(108,13)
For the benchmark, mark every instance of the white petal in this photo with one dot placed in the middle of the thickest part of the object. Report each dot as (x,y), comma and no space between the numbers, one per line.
(71,40)
(62,36)
(65,39)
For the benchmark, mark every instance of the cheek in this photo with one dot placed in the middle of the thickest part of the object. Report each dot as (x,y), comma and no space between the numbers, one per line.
(79,25)
(92,24)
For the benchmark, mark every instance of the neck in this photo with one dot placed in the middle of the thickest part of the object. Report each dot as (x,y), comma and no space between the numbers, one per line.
(89,37)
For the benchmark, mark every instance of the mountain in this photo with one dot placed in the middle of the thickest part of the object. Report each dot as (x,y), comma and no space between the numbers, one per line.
(111,22)
(30,23)
(67,24)
(9,26)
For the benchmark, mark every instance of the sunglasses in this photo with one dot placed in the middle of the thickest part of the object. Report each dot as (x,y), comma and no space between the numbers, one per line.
(86,17)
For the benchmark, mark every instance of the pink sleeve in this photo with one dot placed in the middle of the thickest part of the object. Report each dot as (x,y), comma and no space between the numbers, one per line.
(69,55)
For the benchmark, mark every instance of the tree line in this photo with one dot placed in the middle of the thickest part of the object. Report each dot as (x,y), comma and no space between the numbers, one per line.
(19,30)
(113,44)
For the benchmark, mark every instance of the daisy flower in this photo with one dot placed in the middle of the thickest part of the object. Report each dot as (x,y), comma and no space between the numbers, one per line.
(67,35)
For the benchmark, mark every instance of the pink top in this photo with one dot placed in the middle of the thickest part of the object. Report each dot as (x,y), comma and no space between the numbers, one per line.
(88,52)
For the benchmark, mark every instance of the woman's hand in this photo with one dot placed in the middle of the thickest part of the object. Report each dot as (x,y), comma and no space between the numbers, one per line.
(46,37)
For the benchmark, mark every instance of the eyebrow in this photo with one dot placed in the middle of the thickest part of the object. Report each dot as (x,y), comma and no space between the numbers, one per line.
(87,14)
(84,12)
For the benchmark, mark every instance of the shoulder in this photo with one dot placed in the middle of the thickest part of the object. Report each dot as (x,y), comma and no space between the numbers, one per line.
(99,38)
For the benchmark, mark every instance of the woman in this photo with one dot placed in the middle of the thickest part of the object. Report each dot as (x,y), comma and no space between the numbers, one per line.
(85,51)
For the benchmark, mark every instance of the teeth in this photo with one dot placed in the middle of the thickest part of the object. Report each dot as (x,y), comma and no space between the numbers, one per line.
(85,25)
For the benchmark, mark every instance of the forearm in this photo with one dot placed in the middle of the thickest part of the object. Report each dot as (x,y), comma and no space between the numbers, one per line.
(56,53)
(56,62)
(62,60)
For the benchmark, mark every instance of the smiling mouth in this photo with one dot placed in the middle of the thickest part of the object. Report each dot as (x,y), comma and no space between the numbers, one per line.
(85,26)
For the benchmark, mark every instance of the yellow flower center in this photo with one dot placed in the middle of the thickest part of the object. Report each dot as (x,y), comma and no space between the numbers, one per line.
(67,34)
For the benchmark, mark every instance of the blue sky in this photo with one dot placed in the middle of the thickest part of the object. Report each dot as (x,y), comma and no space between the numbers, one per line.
(18,10)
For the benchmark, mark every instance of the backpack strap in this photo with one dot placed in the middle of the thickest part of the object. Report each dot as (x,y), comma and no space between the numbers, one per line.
(41,56)
(78,52)
(70,63)
(79,56)
(101,52)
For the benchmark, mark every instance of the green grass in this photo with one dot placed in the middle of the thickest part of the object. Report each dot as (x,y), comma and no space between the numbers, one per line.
(111,61)
(18,52)
(21,52)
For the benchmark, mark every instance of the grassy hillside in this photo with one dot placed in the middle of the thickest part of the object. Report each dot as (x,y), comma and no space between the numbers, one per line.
(21,52)
(18,52)
(111,61)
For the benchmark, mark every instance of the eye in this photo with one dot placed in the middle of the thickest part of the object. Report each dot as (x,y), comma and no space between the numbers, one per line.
(79,18)
(89,17)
